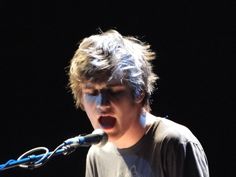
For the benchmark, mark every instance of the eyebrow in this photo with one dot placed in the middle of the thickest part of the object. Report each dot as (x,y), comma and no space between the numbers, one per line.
(114,84)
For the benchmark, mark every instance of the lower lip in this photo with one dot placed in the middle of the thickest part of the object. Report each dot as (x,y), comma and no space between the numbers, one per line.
(106,127)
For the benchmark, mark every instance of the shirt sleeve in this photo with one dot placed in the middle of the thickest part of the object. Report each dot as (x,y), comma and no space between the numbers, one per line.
(184,159)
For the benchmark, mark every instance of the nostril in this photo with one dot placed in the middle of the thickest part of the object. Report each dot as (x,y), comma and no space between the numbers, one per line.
(103,109)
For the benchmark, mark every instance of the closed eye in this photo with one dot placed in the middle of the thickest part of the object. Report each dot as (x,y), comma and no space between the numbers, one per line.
(114,92)
(91,92)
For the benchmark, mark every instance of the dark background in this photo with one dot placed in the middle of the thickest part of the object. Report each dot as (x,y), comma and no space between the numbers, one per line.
(193,41)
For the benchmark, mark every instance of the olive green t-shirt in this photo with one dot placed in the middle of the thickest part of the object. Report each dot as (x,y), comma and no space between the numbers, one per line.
(167,149)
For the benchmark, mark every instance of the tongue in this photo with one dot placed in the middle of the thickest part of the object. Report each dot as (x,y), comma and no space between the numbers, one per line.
(107,122)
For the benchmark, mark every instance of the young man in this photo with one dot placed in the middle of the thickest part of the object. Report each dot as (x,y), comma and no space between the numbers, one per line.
(112,80)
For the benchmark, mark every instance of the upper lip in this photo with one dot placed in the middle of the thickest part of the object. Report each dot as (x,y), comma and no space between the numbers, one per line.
(105,115)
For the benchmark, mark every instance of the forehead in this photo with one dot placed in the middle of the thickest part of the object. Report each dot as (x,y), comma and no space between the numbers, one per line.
(110,83)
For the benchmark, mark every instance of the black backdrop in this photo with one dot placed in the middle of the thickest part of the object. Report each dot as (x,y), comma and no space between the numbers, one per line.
(193,41)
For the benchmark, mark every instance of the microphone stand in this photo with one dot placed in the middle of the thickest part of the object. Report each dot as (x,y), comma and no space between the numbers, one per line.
(34,161)
(31,161)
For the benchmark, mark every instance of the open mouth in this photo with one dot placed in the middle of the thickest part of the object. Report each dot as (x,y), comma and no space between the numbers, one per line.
(107,122)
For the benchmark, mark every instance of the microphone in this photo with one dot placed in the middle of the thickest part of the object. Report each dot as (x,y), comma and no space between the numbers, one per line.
(98,136)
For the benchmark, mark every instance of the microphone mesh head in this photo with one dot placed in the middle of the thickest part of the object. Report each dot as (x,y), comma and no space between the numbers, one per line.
(104,136)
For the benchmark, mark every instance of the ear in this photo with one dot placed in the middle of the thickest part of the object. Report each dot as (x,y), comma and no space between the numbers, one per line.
(81,103)
(139,97)
(81,106)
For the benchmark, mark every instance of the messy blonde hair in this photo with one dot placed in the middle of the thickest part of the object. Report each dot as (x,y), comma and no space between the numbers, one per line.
(109,55)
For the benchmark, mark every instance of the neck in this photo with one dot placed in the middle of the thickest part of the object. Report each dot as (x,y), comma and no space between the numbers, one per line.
(135,133)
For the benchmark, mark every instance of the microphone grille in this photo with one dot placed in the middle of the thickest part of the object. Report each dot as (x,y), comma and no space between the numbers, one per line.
(104,136)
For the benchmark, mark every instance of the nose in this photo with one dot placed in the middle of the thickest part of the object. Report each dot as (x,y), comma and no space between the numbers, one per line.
(103,102)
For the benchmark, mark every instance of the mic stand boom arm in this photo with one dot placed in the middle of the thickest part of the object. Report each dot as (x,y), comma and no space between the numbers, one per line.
(31,161)
(34,161)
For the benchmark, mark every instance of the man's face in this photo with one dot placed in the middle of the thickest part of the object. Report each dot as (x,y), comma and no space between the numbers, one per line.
(111,107)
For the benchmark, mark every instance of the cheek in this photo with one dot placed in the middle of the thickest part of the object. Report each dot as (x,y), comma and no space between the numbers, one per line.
(90,99)
(91,113)
(89,105)
(124,105)
(88,102)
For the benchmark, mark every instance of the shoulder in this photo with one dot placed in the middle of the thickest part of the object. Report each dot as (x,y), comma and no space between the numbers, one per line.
(176,138)
(179,146)
(167,130)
